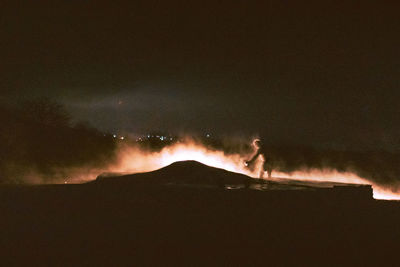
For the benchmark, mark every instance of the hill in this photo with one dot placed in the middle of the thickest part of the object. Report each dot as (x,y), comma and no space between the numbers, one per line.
(181,172)
(193,173)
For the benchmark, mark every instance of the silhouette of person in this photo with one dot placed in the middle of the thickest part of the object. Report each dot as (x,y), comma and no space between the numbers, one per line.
(261,152)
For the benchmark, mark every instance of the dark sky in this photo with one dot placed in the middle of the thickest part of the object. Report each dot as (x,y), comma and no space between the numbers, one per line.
(325,73)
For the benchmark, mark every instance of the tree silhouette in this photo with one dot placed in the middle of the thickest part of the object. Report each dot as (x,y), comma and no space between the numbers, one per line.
(38,135)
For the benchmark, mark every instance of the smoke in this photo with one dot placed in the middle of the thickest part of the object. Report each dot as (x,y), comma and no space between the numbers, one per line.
(303,164)
(134,159)
(288,162)
(40,144)
(295,163)
(378,168)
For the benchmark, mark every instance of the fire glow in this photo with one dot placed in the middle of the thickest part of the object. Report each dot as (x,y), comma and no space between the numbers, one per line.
(134,160)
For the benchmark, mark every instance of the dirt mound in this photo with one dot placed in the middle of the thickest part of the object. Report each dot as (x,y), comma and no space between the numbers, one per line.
(182,172)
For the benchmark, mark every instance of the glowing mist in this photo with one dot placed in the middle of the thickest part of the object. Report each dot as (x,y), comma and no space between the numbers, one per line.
(135,160)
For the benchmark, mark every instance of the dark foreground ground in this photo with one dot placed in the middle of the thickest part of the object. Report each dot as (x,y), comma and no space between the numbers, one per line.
(117,224)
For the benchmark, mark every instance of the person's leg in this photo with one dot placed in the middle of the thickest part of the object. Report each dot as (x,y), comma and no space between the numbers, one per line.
(269,171)
(268,168)
(263,169)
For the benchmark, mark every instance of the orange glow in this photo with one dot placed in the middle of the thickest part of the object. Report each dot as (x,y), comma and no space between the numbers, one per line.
(380,193)
(135,160)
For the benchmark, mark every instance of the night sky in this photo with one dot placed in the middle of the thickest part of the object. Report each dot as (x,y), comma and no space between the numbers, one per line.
(323,73)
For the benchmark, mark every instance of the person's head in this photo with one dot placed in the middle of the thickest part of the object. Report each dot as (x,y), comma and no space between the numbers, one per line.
(257,143)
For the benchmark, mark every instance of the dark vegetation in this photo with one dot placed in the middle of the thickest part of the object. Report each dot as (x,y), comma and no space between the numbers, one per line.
(39,137)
